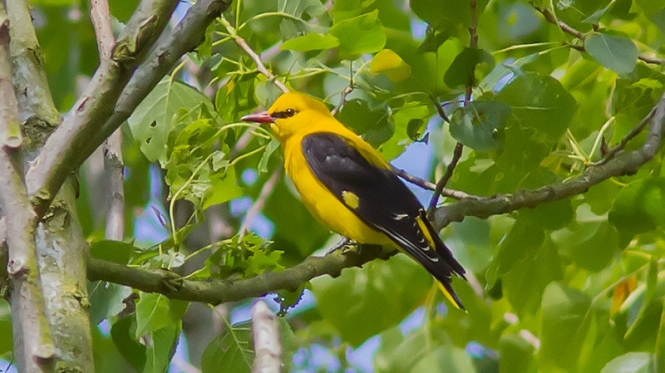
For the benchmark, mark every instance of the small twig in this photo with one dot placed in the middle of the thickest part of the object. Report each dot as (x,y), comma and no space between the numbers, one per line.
(426,184)
(345,93)
(342,99)
(267,189)
(242,43)
(439,109)
(267,345)
(622,144)
(441,184)
(549,17)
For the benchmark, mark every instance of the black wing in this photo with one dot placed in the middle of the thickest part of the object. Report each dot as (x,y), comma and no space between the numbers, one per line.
(383,201)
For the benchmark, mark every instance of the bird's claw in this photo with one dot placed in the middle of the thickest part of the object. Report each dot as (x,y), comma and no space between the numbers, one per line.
(345,246)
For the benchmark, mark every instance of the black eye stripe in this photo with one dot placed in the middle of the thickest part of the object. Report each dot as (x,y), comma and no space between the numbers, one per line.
(284,114)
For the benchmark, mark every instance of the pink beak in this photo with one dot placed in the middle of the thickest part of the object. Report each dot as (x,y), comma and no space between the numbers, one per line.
(263,117)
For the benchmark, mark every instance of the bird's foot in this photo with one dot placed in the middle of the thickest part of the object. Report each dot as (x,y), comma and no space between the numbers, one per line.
(345,245)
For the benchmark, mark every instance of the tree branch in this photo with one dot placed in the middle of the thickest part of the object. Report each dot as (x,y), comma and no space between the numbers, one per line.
(33,344)
(222,291)
(622,164)
(29,78)
(62,152)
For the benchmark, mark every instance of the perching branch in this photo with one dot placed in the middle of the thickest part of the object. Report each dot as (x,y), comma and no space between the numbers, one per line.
(551,18)
(33,344)
(267,346)
(222,291)
(63,151)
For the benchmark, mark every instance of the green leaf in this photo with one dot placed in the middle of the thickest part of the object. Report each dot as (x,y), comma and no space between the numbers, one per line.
(443,15)
(230,352)
(480,124)
(396,287)
(398,353)
(617,53)
(162,348)
(391,65)
(223,188)
(524,284)
(639,207)
(156,311)
(515,354)
(462,72)
(539,102)
(310,42)
(150,123)
(445,359)
(371,122)
(591,245)
(520,241)
(358,35)
(633,362)
(126,343)
(562,328)
(111,251)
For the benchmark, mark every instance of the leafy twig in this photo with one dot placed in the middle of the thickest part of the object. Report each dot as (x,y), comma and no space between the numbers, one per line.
(622,144)
(242,43)
(551,18)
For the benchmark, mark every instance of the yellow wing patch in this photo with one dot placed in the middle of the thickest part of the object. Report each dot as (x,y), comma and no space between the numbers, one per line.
(350,199)
(426,234)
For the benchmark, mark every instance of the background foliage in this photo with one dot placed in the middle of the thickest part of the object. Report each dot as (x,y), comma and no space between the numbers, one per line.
(572,284)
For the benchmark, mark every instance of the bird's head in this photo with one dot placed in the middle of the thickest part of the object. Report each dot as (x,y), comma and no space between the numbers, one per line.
(290,113)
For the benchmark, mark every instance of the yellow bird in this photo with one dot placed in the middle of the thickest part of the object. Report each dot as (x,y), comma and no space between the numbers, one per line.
(349,187)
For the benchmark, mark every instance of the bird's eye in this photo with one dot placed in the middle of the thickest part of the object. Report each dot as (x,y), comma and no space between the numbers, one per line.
(288,113)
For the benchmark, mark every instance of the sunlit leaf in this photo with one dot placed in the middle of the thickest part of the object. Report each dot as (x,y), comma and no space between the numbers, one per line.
(357,35)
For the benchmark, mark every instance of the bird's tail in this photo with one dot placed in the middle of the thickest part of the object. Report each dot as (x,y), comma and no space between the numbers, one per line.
(449,293)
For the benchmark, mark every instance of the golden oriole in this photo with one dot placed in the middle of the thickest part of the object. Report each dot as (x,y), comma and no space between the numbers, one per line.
(350,188)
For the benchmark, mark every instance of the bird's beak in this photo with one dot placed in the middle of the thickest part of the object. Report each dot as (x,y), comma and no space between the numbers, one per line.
(263,117)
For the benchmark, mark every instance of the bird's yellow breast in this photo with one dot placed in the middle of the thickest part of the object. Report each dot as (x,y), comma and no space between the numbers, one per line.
(323,204)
